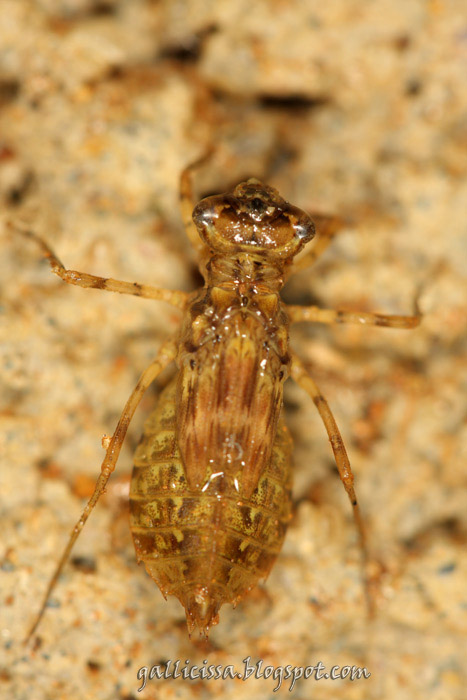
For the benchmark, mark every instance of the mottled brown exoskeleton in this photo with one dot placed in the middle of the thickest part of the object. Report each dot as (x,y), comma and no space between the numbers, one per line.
(211,489)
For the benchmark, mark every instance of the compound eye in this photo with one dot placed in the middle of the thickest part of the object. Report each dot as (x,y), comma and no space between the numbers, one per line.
(305,230)
(205,213)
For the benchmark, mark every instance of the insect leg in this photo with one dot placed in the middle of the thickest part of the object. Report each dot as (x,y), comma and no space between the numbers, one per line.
(326,229)
(83,279)
(188,201)
(314,313)
(301,376)
(165,356)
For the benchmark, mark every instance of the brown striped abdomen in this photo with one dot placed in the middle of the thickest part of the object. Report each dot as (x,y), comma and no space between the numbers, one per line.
(206,546)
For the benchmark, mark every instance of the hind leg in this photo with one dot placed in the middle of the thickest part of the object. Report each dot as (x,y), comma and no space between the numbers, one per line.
(301,376)
(165,356)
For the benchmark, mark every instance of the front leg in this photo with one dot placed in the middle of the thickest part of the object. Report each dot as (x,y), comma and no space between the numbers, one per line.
(326,228)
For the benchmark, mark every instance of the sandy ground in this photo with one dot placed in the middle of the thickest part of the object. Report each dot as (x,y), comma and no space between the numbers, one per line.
(348,106)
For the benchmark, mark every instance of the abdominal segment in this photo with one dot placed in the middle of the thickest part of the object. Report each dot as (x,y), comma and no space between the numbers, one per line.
(209,544)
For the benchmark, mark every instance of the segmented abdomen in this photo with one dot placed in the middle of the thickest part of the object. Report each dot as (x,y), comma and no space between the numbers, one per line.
(206,546)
